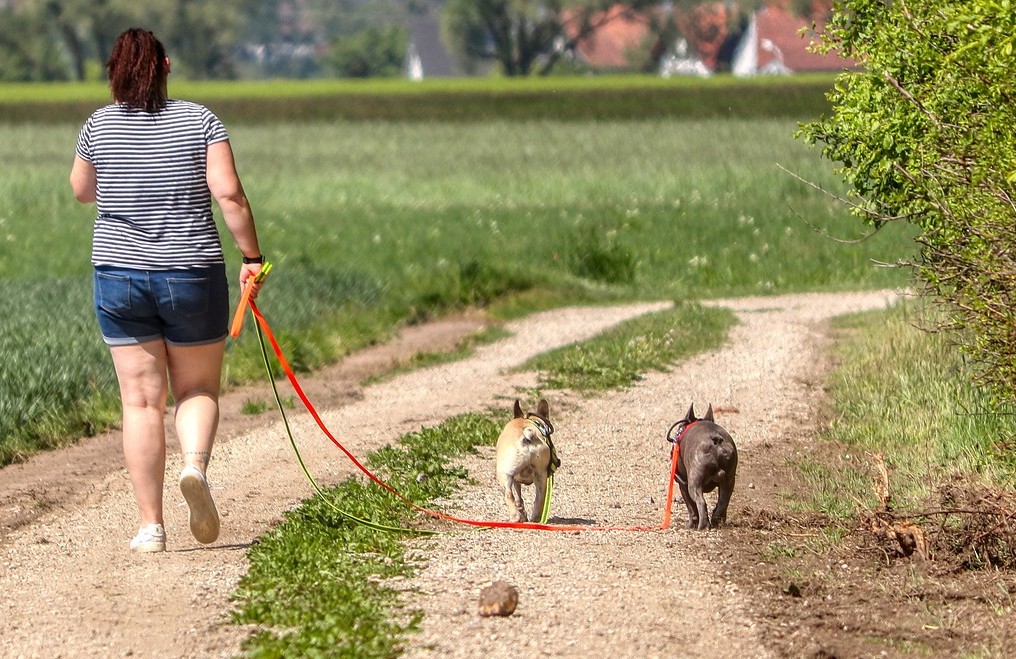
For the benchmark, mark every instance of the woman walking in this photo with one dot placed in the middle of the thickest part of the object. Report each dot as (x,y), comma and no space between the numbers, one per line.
(152,165)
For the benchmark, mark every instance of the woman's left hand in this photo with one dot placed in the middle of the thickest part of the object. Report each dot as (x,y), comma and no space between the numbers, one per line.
(250,271)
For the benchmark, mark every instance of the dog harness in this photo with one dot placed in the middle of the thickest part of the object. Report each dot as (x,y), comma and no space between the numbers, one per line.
(546,429)
(682,427)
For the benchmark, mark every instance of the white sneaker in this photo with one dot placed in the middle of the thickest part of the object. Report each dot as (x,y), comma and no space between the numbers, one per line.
(204,518)
(150,538)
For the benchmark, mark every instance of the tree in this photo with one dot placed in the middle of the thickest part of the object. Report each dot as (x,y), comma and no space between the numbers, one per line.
(526,36)
(372,52)
(926,134)
(26,51)
(199,34)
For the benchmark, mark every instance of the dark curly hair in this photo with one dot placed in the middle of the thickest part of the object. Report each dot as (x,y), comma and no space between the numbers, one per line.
(137,70)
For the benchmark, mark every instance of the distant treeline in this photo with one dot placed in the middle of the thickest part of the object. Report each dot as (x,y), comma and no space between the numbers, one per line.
(598,99)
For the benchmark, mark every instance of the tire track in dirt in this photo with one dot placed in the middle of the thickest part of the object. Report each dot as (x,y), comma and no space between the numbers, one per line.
(68,586)
(633,594)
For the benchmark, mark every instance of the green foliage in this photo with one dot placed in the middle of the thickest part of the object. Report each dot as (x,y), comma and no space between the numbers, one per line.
(373,52)
(199,34)
(206,39)
(597,255)
(26,52)
(253,407)
(926,134)
(621,356)
(56,379)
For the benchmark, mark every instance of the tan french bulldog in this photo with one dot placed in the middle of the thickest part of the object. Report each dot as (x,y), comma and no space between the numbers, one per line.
(526,456)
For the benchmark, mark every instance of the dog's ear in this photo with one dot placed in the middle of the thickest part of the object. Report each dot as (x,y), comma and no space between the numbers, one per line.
(690,416)
(517,409)
(543,408)
(709,413)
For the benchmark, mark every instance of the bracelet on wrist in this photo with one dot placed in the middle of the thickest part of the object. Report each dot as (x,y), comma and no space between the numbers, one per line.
(254,259)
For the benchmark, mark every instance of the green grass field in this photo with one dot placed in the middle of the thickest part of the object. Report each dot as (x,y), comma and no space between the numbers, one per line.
(372,224)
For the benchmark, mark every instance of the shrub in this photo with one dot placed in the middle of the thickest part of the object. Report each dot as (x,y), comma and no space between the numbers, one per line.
(925,134)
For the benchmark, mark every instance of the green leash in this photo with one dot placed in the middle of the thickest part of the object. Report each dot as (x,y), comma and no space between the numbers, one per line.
(292,442)
(545,513)
(546,430)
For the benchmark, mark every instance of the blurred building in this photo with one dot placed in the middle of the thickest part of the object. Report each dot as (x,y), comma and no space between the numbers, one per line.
(427,56)
(779,42)
(774,41)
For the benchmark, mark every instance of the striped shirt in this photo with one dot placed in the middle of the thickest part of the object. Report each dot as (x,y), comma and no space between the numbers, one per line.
(154,206)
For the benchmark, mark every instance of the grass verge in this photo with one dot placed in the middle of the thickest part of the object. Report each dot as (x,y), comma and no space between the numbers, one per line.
(906,394)
(621,356)
(320,585)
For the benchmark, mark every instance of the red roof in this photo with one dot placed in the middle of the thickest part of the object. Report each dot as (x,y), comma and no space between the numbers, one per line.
(782,29)
(609,46)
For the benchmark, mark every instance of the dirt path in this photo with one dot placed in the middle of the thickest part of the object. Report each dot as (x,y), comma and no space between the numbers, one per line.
(68,586)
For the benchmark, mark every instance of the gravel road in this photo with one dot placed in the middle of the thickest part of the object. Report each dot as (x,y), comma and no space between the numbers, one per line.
(69,588)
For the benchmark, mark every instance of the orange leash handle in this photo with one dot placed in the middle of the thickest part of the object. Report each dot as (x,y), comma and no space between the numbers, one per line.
(664,524)
(241,307)
(234,330)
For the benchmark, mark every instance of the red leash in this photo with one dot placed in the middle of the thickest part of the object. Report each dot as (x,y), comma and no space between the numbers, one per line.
(664,524)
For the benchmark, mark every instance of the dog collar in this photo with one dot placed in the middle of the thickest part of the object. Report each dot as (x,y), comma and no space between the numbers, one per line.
(682,427)
(543,425)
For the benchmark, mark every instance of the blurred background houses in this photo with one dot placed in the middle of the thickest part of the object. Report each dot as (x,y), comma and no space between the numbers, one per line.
(261,39)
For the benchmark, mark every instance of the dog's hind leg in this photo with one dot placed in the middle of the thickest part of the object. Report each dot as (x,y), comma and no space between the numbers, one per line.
(512,497)
(520,507)
(722,501)
(701,512)
(692,510)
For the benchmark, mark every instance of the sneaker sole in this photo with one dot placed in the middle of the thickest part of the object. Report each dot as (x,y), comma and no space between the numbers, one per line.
(204,518)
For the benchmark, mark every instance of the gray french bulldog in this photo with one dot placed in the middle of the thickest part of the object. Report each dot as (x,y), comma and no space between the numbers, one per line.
(706,461)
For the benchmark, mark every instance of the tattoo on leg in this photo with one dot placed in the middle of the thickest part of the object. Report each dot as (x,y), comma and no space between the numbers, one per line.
(197,458)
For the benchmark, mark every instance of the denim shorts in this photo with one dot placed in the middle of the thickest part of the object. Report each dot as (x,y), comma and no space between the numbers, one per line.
(182,307)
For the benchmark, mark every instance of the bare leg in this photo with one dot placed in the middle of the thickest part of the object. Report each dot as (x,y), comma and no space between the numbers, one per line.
(194,374)
(141,372)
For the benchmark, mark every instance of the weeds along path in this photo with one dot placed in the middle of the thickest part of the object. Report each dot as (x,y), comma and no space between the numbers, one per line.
(69,587)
